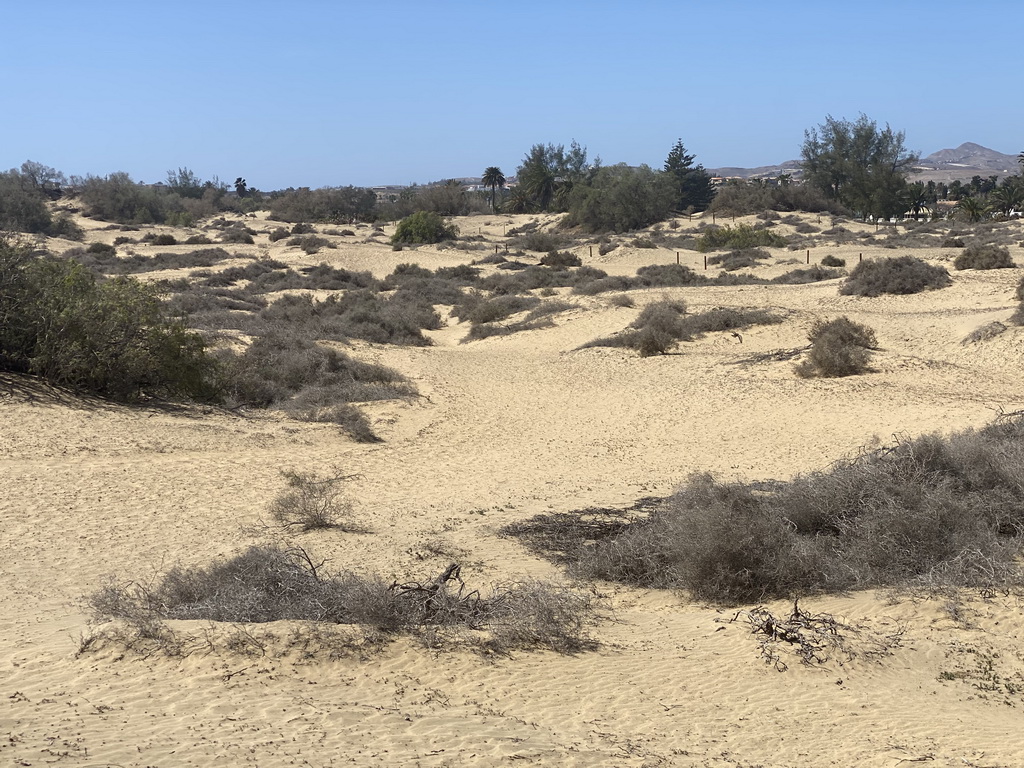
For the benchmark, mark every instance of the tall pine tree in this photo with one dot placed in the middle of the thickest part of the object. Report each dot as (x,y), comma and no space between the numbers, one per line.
(691,183)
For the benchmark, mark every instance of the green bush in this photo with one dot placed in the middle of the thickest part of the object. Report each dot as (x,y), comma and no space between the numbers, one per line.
(278,234)
(738,237)
(164,239)
(110,338)
(833,261)
(22,206)
(984,257)
(902,275)
(839,347)
(424,227)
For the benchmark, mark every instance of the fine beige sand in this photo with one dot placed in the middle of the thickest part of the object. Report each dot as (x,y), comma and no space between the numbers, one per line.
(503,429)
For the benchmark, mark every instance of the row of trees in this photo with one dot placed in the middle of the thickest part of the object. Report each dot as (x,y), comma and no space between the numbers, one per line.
(602,198)
(855,166)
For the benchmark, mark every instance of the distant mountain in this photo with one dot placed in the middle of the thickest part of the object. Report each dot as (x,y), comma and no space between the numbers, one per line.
(790,166)
(970,156)
(962,163)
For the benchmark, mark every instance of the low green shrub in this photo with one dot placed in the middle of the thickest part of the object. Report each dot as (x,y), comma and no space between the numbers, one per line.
(738,237)
(424,227)
(833,261)
(164,239)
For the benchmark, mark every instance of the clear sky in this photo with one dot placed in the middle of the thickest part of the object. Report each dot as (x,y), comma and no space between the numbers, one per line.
(319,93)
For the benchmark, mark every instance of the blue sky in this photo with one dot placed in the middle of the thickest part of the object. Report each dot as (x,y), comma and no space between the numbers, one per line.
(318,93)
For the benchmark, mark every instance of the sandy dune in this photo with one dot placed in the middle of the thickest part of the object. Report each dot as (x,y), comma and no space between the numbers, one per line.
(507,428)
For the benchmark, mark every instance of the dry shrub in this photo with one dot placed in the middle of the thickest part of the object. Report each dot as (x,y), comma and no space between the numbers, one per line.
(813,274)
(561,259)
(984,257)
(902,275)
(839,347)
(311,502)
(745,257)
(622,300)
(237,235)
(661,325)
(932,510)
(311,244)
(272,583)
(833,261)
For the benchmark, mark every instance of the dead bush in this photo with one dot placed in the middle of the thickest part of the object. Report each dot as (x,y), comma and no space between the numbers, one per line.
(839,347)
(311,502)
(272,583)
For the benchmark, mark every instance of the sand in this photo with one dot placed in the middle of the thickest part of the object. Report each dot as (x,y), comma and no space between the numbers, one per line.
(506,428)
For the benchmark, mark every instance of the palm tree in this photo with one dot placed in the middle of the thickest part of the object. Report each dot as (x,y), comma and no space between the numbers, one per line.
(972,207)
(1008,197)
(519,201)
(493,178)
(915,198)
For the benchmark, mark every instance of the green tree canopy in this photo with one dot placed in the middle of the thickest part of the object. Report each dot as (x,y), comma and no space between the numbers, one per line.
(620,198)
(691,184)
(858,164)
(548,174)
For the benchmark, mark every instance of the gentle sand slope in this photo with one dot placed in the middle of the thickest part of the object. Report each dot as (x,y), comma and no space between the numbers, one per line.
(506,428)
